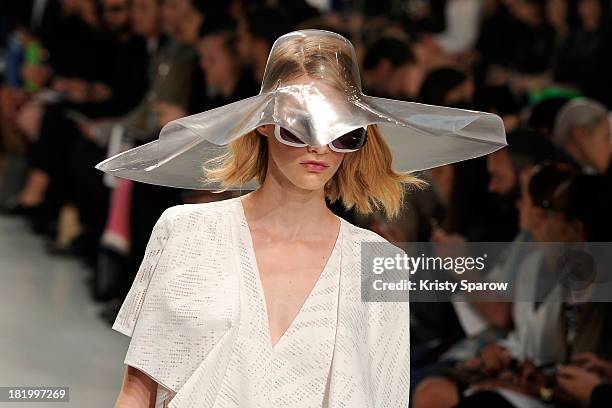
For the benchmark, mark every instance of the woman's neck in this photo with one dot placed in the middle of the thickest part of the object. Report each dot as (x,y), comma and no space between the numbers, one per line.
(289,212)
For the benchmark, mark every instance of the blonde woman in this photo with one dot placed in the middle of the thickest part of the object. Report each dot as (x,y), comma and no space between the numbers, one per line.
(255,301)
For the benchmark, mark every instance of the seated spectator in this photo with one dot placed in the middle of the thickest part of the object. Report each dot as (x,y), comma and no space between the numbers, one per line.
(225,76)
(582,130)
(115,86)
(448,87)
(490,319)
(563,215)
(495,44)
(534,191)
(168,98)
(526,148)
(222,79)
(534,43)
(583,60)
(258,28)
(388,66)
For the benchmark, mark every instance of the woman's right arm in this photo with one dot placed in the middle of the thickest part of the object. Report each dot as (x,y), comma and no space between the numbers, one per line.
(138,390)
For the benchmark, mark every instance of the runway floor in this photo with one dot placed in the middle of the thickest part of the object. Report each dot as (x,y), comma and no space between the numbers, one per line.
(50,332)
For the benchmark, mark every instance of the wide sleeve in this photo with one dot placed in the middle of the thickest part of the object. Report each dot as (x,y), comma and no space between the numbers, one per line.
(183,300)
(130,309)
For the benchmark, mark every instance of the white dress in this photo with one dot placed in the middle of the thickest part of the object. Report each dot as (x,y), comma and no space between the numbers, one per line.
(197,318)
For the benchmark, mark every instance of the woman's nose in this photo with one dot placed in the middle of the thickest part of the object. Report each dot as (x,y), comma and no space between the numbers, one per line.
(318,149)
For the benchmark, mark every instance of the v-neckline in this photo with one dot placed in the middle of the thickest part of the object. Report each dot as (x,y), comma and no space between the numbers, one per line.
(260,288)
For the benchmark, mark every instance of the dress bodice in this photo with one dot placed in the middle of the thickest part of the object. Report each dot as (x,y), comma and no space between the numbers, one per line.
(197,317)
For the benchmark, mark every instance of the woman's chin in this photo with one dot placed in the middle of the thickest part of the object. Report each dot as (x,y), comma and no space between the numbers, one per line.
(310,181)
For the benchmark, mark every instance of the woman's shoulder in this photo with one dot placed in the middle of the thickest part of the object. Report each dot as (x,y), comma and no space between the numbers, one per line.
(360,234)
(362,242)
(190,216)
(187,232)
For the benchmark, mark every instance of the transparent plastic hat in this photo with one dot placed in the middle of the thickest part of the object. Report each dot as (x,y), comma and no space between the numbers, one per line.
(312,87)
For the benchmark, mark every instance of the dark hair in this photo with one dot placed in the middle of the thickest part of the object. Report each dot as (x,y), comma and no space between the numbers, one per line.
(438,83)
(221,25)
(211,10)
(267,23)
(537,3)
(545,181)
(377,8)
(542,117)
(392,49)
(14,14)
(527,147)
(497,99)
(230,38)
(587,198)
(298,10)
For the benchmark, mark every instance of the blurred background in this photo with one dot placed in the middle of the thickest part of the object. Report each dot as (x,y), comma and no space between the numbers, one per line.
(82,80)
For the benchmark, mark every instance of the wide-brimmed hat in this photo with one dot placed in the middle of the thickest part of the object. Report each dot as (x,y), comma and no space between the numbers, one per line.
(312,87)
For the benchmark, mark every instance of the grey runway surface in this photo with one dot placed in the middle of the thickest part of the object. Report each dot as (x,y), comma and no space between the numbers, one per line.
(50,332)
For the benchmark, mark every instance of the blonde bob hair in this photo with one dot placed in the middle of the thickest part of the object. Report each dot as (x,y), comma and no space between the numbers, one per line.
(365,179)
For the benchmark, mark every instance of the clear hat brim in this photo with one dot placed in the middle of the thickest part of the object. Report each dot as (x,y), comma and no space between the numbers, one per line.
(312,87)
(420,136)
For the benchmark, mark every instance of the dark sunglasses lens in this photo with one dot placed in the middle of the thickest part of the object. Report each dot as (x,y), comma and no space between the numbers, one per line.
(289,137)
(351,140)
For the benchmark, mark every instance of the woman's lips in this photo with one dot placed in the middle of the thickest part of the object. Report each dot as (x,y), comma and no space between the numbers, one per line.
(315,166)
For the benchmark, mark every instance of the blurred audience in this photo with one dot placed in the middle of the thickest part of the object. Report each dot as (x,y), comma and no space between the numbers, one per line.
(85,79)
(388,69)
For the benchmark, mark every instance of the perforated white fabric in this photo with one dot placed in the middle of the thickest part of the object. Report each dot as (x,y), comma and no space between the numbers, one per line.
(198,326)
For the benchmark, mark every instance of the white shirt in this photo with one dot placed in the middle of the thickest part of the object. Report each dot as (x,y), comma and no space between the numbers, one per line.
(539,334)
(197,318)
(462,25)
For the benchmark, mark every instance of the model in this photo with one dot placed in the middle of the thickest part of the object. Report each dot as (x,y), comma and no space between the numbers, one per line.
(256,301)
